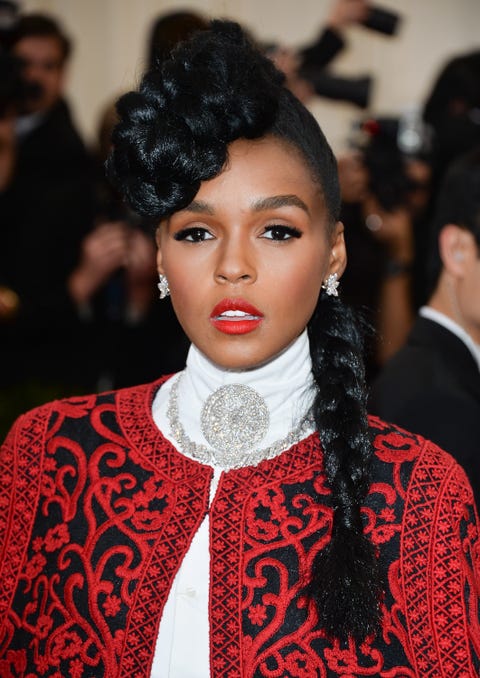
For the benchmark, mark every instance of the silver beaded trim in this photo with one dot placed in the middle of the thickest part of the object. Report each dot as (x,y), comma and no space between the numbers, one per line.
(232,452)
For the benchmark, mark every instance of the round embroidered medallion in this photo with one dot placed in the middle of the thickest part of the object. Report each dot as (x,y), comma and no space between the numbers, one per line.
(234,418)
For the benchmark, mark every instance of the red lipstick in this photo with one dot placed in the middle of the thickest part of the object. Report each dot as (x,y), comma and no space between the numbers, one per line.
(235,316)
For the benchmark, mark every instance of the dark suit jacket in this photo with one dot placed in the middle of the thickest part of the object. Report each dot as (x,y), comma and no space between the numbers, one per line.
(432,387)
(45,213)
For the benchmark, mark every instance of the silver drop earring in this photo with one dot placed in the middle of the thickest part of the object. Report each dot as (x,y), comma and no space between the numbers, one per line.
(330,285)
(163,287)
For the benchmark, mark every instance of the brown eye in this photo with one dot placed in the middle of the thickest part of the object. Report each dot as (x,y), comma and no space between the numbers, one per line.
(193,234)
(280,232)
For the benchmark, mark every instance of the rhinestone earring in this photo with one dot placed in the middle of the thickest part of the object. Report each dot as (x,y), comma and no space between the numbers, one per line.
(163,287)
(330,285)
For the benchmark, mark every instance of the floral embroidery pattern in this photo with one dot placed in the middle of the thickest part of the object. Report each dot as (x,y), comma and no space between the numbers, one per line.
(95,529)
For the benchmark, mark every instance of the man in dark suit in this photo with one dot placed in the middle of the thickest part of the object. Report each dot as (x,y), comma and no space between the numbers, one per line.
(46,209)
(432,385)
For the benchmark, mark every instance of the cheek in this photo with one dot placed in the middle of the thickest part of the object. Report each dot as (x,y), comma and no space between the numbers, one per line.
(304,297)
(182,292)
(189,295)
(296,293)
(302,283)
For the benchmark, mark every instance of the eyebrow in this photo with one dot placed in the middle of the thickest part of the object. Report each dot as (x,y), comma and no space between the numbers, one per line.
(200,207)
(279,201)
(272,202)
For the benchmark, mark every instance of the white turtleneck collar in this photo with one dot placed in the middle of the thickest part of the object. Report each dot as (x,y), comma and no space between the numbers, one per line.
(285,383)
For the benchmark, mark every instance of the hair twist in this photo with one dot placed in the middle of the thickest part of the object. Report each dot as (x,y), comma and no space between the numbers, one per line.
(174,132)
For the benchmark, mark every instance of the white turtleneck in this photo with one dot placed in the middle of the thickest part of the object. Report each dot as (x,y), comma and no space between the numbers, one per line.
(285,383)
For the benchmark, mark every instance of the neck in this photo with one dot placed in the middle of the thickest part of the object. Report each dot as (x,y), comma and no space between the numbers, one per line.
(285,384)
(445,300)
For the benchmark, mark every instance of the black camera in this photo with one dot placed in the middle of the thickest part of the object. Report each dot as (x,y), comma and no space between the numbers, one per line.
(381,20)
(386,144)
(355,91)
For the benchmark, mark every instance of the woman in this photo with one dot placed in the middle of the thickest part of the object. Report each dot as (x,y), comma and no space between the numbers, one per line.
(243,518)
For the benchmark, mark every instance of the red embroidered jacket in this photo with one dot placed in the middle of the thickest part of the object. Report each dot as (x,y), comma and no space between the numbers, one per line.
(97,510)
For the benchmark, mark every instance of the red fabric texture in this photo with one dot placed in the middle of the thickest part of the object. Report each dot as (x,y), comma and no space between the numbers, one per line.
(97,510)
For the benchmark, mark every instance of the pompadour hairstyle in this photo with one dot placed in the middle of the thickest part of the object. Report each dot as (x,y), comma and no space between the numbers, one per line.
(174,132)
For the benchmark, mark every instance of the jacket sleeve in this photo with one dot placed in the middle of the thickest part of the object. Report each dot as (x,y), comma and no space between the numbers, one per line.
(21,461)
(322,51)
(441,569)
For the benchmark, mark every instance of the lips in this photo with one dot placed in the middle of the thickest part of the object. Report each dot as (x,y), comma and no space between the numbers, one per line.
(235,316)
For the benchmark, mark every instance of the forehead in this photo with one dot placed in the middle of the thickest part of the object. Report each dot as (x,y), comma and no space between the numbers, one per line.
(39,48)
(267,165)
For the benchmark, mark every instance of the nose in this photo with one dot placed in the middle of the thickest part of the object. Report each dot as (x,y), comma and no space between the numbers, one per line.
(236,261)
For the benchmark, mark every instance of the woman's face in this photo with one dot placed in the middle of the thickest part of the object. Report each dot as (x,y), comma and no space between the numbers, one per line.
(246,259)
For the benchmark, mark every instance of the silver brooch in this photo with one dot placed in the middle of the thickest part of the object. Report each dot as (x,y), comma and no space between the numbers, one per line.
(234,417)
(234,420)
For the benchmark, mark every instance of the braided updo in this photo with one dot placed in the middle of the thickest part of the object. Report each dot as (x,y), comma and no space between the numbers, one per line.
(173,134)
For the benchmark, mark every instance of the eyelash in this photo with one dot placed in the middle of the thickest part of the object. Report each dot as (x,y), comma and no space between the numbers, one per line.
(289,231)
(194,234)
(277,232)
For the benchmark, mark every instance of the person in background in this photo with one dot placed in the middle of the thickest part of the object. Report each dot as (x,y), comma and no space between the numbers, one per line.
(46,208)
(452,110)
(385,193)
(304,68)
(452,114)
(432,385)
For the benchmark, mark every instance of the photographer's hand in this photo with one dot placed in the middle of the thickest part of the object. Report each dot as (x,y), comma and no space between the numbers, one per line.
(104,251)
(345,12)
(288,61)
(141,272)
(9,303)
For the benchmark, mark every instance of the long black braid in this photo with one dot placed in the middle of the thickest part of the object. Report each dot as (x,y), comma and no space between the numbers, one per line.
(173,134)
(346,580)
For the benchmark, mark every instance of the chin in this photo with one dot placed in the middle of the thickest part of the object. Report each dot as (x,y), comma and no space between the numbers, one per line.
(239,359)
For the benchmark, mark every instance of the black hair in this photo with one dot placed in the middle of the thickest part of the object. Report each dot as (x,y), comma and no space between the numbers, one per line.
(458,203)
(457,83)
(168,30)
(174,133)
(42,26)
(451,110)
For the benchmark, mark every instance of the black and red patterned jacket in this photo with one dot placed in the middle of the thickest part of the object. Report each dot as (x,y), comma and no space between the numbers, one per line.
(97,510)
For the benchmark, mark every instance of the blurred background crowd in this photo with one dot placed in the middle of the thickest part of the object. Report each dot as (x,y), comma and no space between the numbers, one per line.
(78,306)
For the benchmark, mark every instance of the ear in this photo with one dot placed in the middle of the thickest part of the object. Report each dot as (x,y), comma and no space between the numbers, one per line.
(158,240)
(338,252)
(457,248)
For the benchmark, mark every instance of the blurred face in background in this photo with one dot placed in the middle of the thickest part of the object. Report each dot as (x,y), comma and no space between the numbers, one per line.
(44,65)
